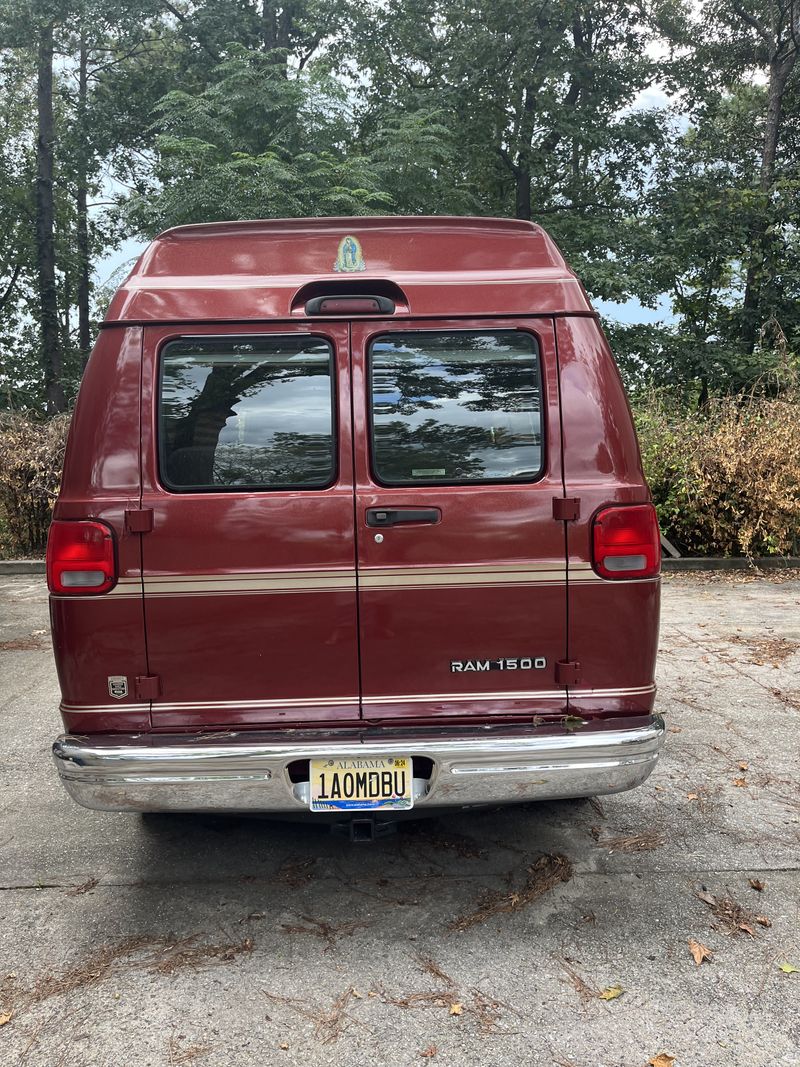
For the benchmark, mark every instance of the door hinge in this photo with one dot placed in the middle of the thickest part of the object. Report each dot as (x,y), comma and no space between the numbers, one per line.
(567,672)
(148,687)
(566,508)
(139,520)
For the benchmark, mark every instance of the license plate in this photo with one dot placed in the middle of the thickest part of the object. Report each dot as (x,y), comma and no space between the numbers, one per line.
(367,784)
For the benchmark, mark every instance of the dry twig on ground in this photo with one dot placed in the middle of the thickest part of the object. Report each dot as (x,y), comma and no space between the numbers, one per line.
(644,842)
(326,931)
(159,955)
(296,872)
(85,887)
(178,1054)
(732,917)
(773,651)
(584,989)
(542,876)
(328,1023)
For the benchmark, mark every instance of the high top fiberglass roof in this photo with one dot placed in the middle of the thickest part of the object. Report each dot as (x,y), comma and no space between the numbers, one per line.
(445,266)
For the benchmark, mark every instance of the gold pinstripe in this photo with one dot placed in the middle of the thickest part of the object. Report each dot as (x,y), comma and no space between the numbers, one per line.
(326,581)
(310,702)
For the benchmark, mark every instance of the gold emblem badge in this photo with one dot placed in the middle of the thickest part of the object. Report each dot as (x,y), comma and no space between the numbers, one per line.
(349,258)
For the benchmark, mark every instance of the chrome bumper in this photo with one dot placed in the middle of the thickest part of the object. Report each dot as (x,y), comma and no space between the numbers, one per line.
(249,771)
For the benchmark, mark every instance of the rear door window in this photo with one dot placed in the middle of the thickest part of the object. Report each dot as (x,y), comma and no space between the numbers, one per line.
(455,408)
(246,413)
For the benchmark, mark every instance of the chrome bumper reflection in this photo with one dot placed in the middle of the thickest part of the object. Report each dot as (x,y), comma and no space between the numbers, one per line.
(248,771)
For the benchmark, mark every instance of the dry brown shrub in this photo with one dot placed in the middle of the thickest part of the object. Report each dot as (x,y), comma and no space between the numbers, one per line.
(31,456)
(725,479)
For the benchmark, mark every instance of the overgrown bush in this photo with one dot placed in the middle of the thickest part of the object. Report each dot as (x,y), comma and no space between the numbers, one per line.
(31,455)
(726,478)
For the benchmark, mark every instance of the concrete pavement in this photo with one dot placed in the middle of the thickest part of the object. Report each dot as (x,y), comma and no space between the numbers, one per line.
(224,942)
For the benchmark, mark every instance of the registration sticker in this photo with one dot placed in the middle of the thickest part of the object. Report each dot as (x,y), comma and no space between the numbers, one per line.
(367,784)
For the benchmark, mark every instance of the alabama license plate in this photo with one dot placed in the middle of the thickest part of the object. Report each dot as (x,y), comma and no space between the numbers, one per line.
(368,784)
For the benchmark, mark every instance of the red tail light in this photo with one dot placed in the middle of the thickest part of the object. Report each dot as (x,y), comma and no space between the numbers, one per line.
(626,542)
(80,558)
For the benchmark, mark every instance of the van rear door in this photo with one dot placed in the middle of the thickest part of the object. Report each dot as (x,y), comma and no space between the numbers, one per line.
(461,563)
(248,567)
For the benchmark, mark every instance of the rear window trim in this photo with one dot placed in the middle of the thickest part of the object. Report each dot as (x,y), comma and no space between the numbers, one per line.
(438,484)
(215,490)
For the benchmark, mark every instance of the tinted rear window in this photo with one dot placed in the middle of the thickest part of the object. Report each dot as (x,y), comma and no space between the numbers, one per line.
(246,413)
(455,408)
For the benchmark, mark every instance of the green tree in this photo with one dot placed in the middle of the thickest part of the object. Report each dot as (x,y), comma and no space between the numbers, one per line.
(718,223)
(538,98)
(764,35)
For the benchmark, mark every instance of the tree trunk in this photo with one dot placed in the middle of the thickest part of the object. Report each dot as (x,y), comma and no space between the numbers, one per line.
(779,70)
(82,215)
(66,298)
(522,164)
(277,26)
(51,355)
(522,179)
(269,25)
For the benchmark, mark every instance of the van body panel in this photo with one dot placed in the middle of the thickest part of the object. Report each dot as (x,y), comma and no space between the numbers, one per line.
(95,638)
(250,597)
(613,625)
(483,585)
(614,637)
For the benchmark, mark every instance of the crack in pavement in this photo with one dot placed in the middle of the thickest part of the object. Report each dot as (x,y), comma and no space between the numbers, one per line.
(253,881)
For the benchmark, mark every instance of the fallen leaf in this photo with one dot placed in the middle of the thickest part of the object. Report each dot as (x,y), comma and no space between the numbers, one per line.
(573,722)
(743,764)
(675,729)
(762,920)
(663,1059)
(284,1045)
(5,1018)
(757,884)
(692,796)
(429,1052)
(707,898)
(357,995)
(612,992)
(456,1009)
(741,783)
(787,968)
(699,951)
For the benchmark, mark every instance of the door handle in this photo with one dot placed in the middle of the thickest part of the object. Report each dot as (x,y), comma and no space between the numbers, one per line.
(397,516)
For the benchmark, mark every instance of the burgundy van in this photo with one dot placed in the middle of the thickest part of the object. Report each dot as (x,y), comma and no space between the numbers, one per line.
(353,519)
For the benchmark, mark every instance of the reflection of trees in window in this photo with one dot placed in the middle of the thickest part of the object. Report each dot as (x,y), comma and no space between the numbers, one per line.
(400,449)
(404,388)
(194,416)
(411,373)
(291,459)
(455,453)
(459,377)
